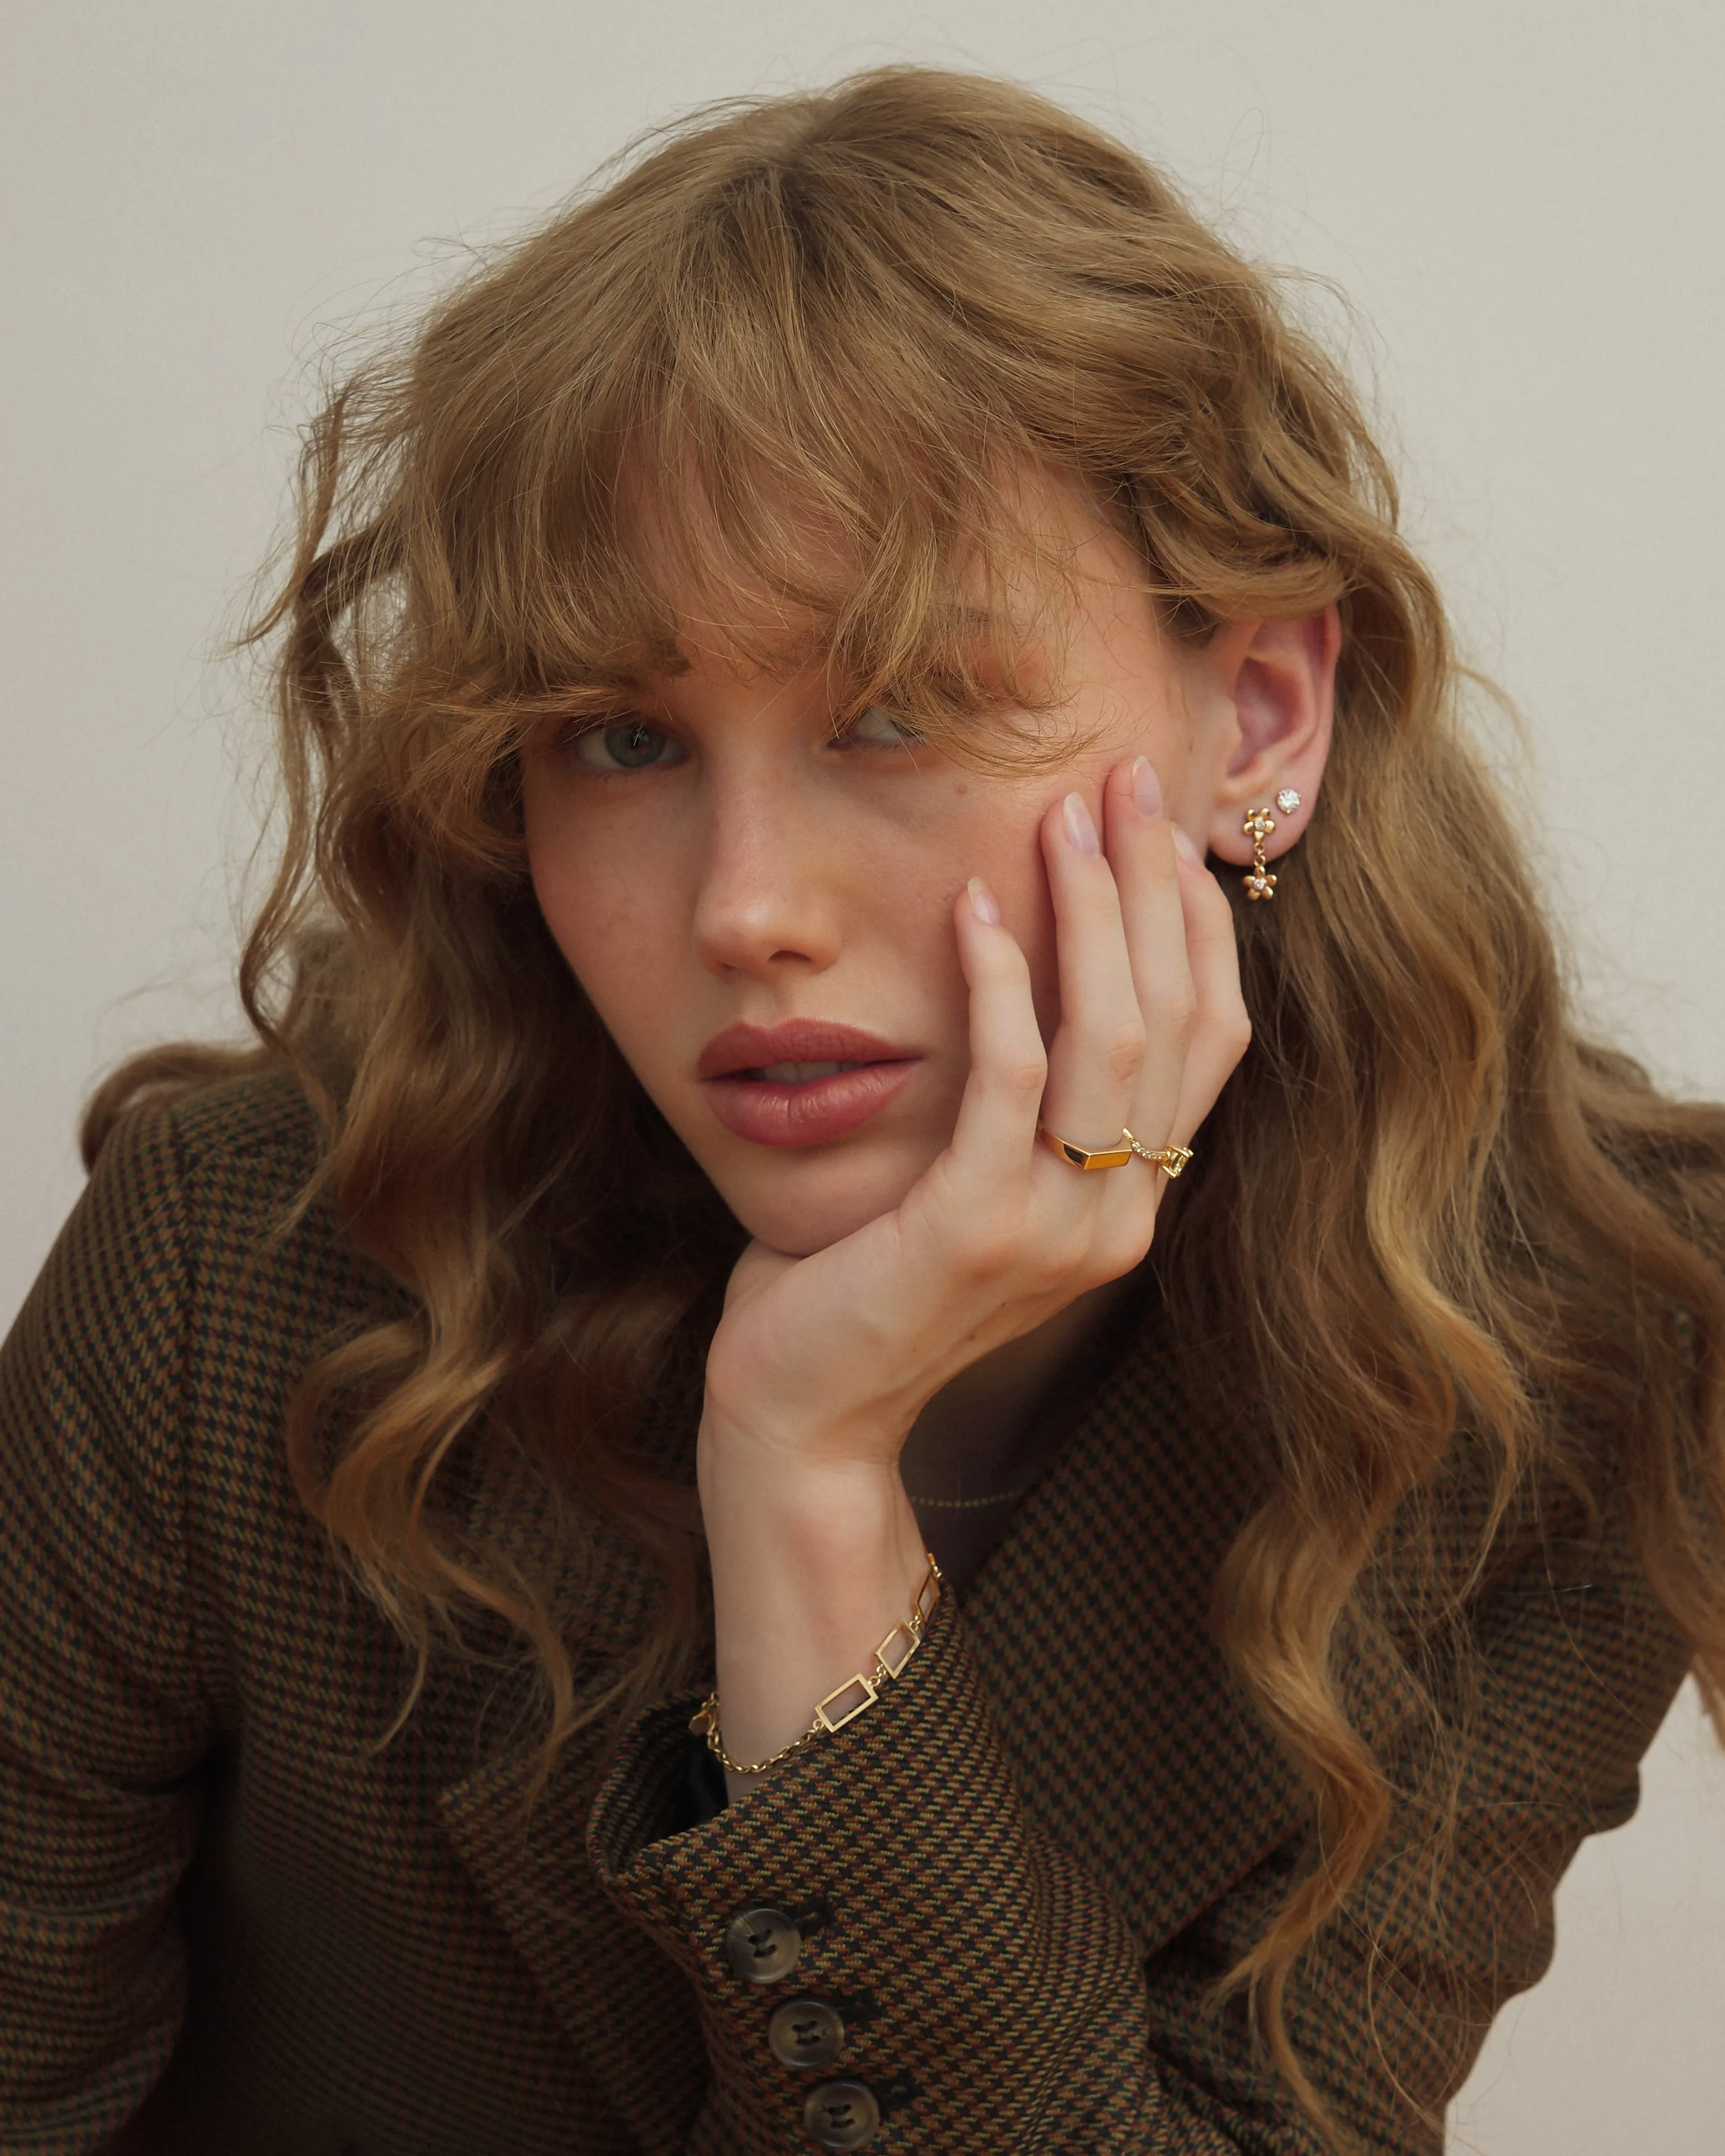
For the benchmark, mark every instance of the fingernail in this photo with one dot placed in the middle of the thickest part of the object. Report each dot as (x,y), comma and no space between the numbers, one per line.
(1147,788)
(982,903)
(1081,831)
(1185,849)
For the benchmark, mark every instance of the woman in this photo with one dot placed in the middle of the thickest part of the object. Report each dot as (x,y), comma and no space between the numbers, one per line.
(706,1228)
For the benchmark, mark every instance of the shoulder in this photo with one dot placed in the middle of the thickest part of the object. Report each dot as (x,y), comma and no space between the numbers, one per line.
(252,1137)
(105,1385)
(182,1194)
(256,1132)
(190,1278)
(272,1276)
(144,1391)
(227,1173)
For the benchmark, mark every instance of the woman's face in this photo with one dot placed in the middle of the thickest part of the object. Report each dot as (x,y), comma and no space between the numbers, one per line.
(749,898)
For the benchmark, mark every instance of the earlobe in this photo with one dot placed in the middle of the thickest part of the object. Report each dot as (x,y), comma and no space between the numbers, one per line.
(1279,679)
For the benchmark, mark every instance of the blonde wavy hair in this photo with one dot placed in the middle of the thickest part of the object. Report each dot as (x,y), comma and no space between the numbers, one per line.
(1436,1235)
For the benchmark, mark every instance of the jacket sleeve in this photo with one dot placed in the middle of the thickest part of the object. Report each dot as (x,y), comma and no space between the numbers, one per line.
(943,1962)
(101,1724)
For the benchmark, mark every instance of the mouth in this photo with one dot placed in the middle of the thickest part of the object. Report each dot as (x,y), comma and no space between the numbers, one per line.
(806,1082)
(795,1074)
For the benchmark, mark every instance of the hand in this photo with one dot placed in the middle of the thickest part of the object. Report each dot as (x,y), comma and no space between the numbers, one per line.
(821,1365)
(826,1361)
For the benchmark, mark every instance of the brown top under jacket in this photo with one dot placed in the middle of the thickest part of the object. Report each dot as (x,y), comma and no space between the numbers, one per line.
(1002,1893)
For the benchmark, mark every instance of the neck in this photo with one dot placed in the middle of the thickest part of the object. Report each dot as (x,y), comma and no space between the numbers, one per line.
(986,1430)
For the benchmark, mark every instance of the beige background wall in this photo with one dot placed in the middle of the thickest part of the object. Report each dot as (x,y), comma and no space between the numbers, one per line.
(1520,196)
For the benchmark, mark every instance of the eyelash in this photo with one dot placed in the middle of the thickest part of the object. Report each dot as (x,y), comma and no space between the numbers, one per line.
(570,740)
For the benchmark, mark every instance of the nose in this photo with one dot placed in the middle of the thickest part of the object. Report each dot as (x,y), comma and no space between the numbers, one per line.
(768,902)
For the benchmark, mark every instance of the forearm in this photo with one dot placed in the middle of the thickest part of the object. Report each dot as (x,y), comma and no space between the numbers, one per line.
(812,1565)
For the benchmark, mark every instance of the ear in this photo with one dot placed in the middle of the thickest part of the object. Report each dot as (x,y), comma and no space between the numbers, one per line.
(1266,698)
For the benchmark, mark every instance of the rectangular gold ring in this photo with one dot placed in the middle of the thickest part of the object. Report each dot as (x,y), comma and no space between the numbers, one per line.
(1078,1156)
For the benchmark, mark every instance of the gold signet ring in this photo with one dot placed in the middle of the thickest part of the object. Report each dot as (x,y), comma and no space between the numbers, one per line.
(1114,1155)
(1169,1158)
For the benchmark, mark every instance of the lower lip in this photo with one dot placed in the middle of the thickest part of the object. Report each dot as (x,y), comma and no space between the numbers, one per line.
(769,1113)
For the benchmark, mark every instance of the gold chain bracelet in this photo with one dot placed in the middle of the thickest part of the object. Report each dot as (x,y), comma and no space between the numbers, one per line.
(891,1656)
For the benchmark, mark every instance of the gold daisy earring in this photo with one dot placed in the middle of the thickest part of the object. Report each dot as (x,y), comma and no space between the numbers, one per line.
(1258,825)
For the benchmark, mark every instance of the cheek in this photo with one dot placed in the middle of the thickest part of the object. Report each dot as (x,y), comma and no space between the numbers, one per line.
(609,926)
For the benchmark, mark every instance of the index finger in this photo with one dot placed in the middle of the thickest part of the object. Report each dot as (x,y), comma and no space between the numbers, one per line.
(996,1124)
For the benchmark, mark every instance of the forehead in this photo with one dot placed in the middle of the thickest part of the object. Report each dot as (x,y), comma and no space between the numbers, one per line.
(756,581)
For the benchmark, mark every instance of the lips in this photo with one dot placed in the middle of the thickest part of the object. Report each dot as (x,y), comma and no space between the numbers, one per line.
(803,1083)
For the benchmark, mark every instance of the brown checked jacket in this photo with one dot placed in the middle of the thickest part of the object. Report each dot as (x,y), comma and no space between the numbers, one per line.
(983,1921)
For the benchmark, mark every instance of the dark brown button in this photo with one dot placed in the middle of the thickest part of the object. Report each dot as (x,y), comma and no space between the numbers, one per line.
(805,2032)
(841,2115)
(762,1945)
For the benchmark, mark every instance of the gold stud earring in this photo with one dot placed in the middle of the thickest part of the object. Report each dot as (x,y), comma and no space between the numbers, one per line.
(1258,825)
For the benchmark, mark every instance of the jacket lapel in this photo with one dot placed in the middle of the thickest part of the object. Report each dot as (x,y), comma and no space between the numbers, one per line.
(618,1996)
(1132,1742)
(620,1999)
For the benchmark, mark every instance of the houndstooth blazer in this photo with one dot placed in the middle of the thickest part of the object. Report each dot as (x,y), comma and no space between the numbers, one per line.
(983,1921)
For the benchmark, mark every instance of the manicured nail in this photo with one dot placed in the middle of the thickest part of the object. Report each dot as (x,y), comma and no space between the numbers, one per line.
(982,903)
(1081,831)
(1147,788)
(1185,849)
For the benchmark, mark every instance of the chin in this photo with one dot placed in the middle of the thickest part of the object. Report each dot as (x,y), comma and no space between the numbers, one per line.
(806,1205)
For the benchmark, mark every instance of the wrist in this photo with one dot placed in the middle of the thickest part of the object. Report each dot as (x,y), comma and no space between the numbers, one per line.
(808,1544)
(805,1475)
(838,1708)
(813,1564)
(768,1441)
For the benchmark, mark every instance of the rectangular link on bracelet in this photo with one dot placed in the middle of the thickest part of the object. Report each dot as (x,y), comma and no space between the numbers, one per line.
(912,1639)
(830,1722)
(889,1660)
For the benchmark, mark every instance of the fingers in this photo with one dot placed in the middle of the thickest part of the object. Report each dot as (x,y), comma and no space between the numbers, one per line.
(1160,960)
(1147,867)
(1098,1053)
(1152,1019)
(1220,1031)
(1008,1067)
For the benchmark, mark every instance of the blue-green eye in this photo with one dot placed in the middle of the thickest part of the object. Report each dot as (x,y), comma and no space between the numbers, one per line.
(630,744)
(877,728)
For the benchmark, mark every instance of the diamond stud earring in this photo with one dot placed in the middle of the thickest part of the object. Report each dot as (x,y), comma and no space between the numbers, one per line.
(1287,801)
